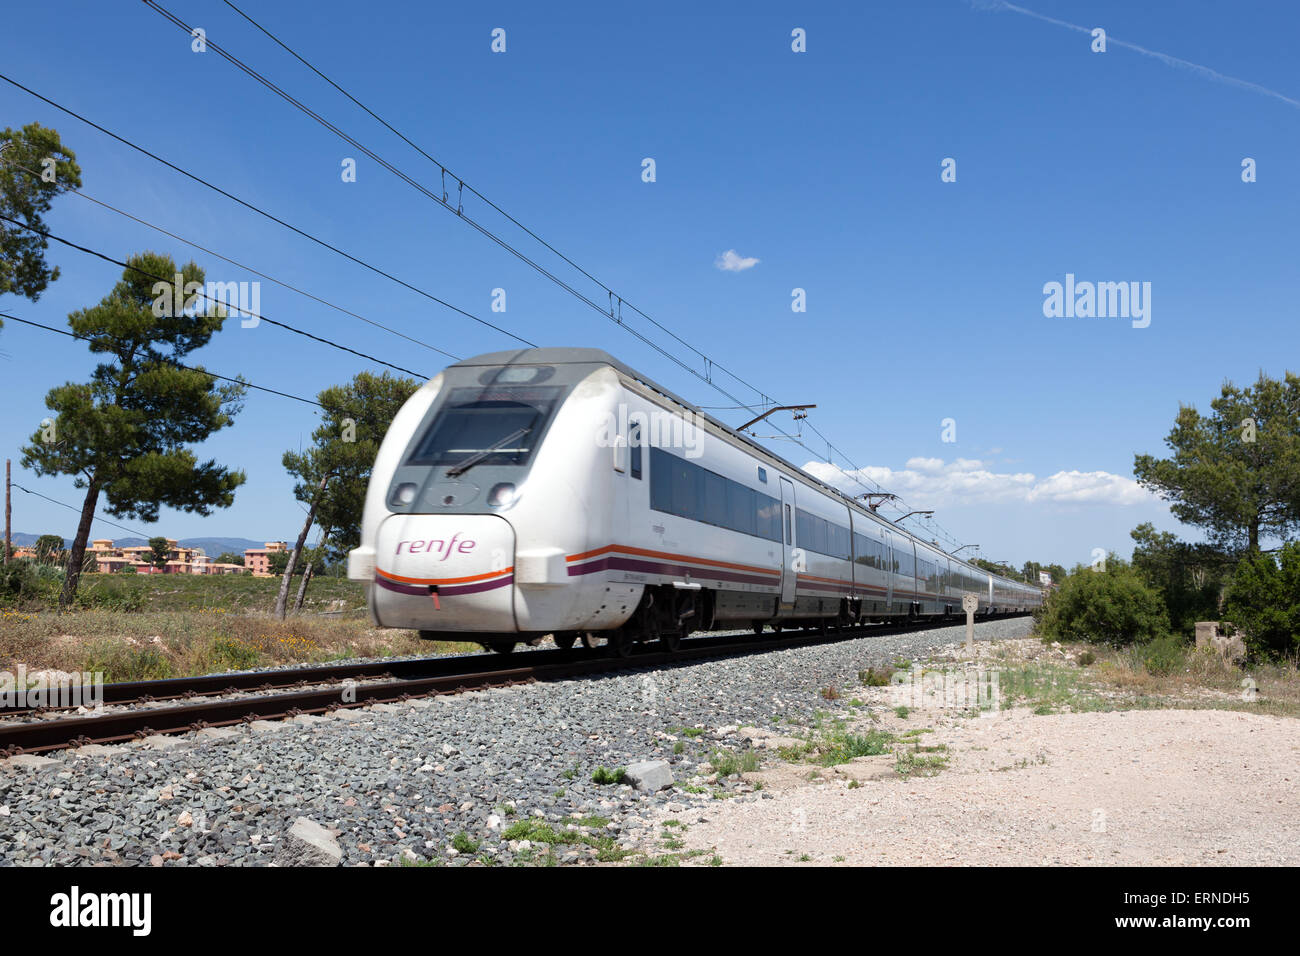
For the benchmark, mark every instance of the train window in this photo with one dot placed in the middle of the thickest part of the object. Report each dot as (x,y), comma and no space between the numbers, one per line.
(803,529)
(634,442)
(496,426)
(762,475)
(788,539)
(715,499)
(685,489)
(741,508)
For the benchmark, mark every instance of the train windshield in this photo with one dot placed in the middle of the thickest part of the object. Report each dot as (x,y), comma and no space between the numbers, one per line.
(497,425)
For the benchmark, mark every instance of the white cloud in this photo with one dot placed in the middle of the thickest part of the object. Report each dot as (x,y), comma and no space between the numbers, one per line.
(927,482)
(729,261)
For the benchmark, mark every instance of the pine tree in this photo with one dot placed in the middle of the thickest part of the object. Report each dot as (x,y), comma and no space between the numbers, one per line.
(124,433)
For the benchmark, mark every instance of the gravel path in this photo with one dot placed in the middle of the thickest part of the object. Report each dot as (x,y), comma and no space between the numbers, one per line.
(400,782)
(1126,788)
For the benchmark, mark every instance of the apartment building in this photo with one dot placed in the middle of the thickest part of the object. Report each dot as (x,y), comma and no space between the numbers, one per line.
(258,560)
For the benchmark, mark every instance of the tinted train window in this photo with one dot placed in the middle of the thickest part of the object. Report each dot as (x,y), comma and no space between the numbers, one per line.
(742,509)
(683,488)
(868,551)
(495,425)
(824,537)
(634,440)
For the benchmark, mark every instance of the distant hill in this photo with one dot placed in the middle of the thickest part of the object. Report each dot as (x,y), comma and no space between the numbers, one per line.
(211,546)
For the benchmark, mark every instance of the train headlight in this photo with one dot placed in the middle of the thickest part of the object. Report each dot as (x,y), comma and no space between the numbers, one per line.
(502,495)
(404,493)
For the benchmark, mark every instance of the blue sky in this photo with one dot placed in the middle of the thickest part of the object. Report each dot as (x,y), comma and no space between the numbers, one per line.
(924,298)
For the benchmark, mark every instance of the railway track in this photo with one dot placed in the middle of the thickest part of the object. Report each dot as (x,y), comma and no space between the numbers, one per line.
(276,696)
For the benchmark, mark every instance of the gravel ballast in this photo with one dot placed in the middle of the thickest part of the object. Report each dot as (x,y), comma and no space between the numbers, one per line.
(439,779)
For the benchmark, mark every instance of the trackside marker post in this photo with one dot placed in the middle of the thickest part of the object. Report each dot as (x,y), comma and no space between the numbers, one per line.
(969,602)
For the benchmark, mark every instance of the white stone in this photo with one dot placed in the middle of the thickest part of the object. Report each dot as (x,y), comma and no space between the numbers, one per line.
(650,775)
(308,844)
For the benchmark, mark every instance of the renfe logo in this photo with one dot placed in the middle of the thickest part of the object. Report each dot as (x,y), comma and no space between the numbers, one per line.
(436,546)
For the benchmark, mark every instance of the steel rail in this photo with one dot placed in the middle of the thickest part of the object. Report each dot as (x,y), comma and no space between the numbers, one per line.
(537,666)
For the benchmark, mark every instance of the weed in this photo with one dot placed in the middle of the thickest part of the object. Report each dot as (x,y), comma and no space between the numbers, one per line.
(603,775)
(875,678)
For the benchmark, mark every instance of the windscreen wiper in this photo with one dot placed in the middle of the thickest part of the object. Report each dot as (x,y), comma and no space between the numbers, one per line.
(492,449)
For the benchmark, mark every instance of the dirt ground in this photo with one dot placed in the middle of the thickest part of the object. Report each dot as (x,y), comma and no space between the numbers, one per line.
(1107,788)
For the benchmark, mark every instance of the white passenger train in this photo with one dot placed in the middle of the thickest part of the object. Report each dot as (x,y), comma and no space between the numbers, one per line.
(557,491)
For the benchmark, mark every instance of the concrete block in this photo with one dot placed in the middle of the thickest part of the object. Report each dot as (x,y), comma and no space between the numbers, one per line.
(32,762)
(1230,646)
(265,725)
(217,733)
(308,844)
(650,775)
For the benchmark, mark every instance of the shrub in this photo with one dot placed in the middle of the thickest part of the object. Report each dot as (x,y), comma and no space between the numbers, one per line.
(1164,655)
(30,581)
(1263,600)
(120,662)
(875,678)
(111,596)
(1105,607)
(603,775)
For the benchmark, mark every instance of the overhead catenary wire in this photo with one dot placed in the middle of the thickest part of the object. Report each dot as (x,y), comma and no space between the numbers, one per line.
(64,504)
(378,271)
(852,475)
(190,242)
(169,279)
(442,201)
(443,169)
(188,368)
(262,212)
(382,426)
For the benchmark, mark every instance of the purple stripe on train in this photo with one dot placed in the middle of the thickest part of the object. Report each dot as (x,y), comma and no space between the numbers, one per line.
(446,590)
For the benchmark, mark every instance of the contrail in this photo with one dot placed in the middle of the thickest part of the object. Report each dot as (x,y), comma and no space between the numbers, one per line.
(1165,58)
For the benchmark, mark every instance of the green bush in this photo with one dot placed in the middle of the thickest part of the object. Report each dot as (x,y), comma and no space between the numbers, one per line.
(110,595)
(27,580)
(1264,602)
(120,662)
(603,775)
(1110,607)
(1164,655)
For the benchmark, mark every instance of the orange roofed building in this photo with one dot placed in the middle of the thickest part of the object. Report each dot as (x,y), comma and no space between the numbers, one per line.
(258,560)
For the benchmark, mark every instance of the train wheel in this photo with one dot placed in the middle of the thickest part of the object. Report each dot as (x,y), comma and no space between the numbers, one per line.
(758,627)
(590,641)
(671,641)
(564,641)
(623,645)
(502,647)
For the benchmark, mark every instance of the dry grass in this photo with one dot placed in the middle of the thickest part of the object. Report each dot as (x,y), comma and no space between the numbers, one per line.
(154,644)
(1051,679)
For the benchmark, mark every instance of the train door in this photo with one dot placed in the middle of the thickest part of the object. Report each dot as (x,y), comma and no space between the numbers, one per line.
(788,569)
(633,486)
(887,566)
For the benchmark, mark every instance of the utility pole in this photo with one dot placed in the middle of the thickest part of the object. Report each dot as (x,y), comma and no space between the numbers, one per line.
(8,511)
